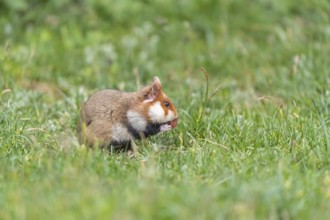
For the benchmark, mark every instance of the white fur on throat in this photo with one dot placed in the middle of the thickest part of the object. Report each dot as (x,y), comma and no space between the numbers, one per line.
(137,121)
(157,114)
(120,133)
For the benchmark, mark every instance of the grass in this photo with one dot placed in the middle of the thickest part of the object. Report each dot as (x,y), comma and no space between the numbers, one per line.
(253,143)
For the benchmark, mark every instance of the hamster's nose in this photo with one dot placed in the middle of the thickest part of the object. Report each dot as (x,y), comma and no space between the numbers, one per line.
(174,122)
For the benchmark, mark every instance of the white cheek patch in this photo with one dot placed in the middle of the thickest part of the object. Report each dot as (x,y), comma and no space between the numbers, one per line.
(156,113)
(120,133)
(136,120)
(170,116)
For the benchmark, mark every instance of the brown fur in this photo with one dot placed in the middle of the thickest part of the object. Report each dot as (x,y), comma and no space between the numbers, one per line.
(108,107)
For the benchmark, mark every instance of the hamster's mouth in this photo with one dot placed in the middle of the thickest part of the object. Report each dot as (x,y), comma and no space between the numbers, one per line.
(172,123)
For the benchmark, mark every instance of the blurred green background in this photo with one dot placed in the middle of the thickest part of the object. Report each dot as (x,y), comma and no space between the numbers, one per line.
(96,43)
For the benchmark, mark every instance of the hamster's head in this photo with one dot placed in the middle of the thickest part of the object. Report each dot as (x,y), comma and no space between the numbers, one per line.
(160,108)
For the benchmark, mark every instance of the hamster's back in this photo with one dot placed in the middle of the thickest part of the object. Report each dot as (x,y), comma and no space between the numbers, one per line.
(100,112)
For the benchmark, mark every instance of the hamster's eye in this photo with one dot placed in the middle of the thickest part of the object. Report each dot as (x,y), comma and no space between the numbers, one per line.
(167,104)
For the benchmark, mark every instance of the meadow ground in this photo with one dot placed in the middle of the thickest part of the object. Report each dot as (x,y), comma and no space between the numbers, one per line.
(254,144)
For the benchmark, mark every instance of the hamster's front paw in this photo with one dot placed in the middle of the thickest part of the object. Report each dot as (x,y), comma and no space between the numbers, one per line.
(165,127)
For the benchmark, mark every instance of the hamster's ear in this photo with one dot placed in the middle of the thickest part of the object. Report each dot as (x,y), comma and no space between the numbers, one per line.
(154,90)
